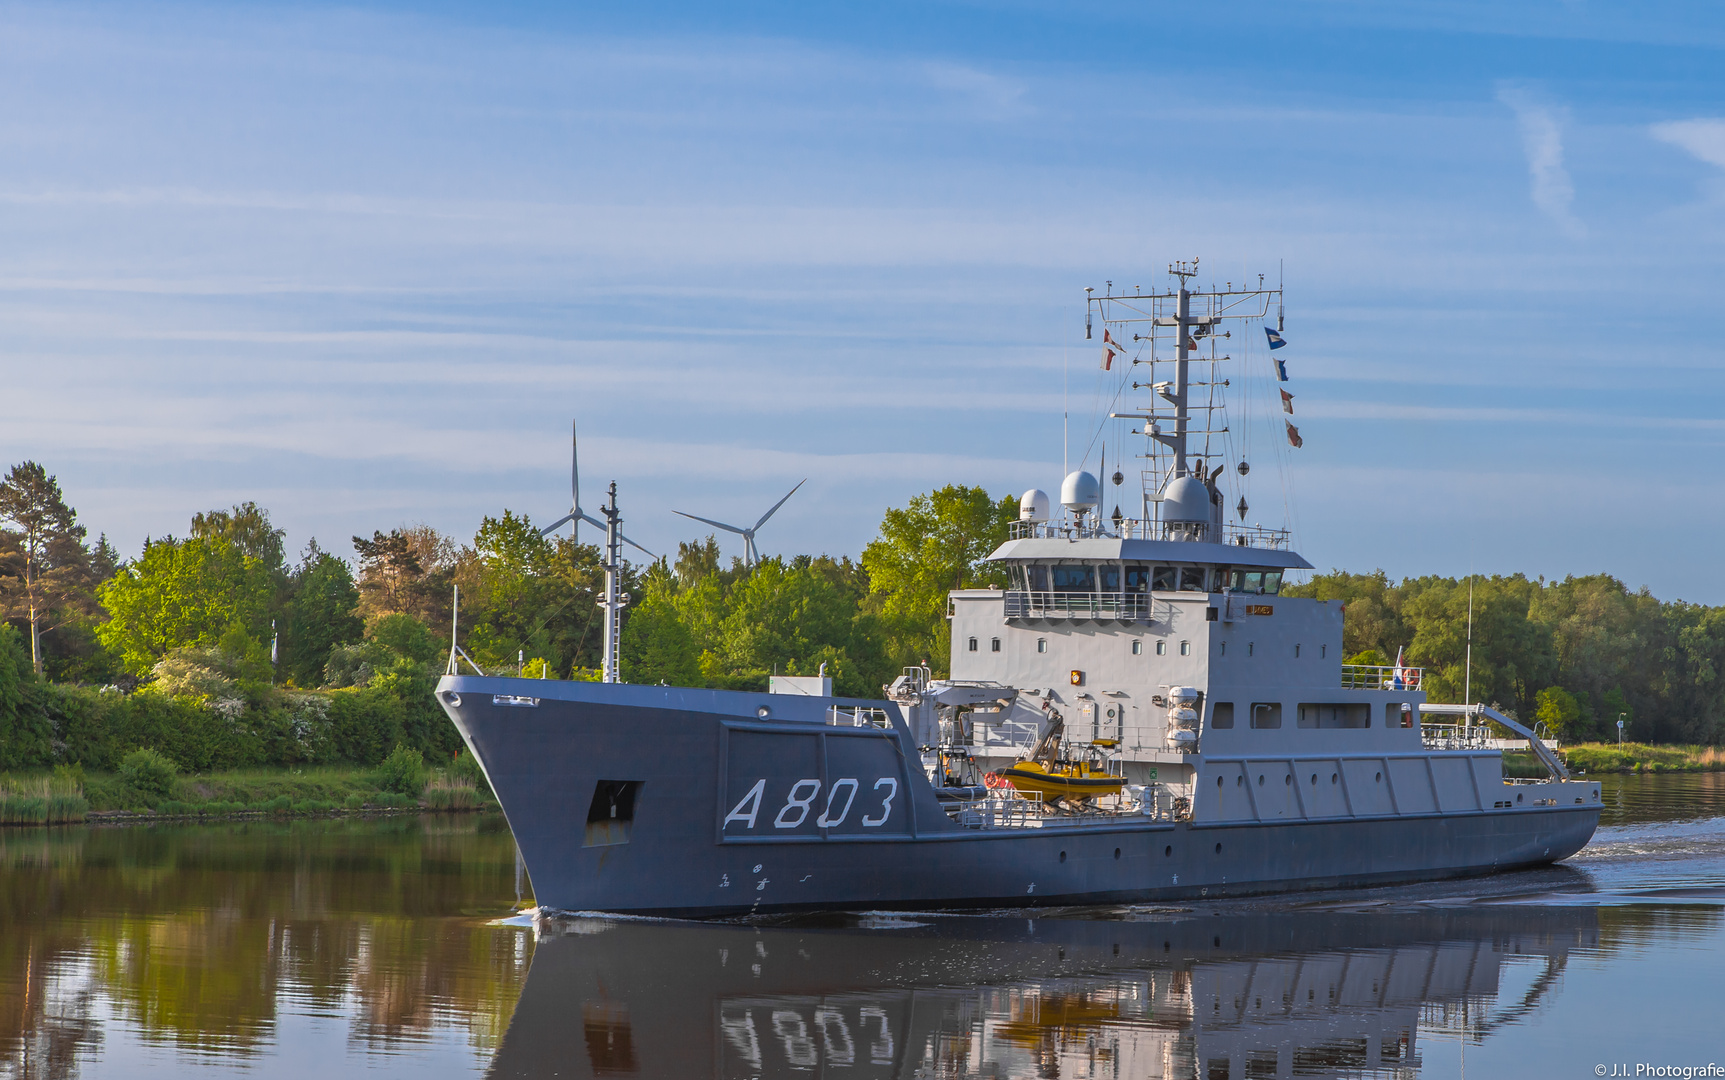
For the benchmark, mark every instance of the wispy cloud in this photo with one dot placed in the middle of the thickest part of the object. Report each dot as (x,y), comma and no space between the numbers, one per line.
(1705,138)
(1542,141)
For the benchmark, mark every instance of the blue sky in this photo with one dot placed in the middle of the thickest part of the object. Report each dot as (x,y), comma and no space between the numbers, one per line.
(364,264)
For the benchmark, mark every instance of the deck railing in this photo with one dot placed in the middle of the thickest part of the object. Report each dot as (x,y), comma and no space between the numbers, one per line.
(1247,536)
(1068,605)
(1381,677)
(858,716)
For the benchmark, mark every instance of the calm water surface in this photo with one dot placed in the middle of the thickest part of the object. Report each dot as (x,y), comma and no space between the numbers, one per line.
(377,947)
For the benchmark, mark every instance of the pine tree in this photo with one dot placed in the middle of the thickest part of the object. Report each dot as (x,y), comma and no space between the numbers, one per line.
(48,569)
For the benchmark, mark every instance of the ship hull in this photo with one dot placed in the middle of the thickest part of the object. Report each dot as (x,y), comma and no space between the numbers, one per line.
(671,801)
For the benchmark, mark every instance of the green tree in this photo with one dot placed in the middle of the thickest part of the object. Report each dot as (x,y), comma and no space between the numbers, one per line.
(184,592)
(321,613)
(247,527)
(1558,710)
(932,546)
(1372,617)
(46,573)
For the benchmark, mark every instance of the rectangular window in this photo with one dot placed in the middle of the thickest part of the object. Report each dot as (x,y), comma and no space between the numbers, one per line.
(1137,647)
(1191,579)
(1272,582)
(1185,648)
(1074,579)
(1162,579)
(1161,648)
(1222,715)
(994,645)
(1250,582)
(1398,714)
(1219,580)
(1041,644)
(1353,714)
(1266,715)
(1109,574)
(1038,579)
(611,815)
(1296,652)
(1137,579)
(972,644)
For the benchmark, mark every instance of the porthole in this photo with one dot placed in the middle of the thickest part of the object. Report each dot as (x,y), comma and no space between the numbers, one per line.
(1332,778)
(1168,851)
(1260,779)
(1218,849)
(1314,779)
(1250,647)
(1218,781)
(1518,797)
(1288,780)
(1380,778)
(1296,652)
(1117,856)
(1239,780)
(1063,856)
(1216,941)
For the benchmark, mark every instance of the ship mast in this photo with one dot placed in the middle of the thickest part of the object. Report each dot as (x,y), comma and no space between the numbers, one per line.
(1191,316)
(615,601)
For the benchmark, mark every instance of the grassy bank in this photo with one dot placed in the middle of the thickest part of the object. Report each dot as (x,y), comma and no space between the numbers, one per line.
(1639,757)
(72,796)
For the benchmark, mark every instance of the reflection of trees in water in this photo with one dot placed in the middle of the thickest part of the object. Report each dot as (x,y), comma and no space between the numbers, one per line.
(198,935)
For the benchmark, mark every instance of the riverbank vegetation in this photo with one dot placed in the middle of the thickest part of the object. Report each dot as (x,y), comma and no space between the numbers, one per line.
(215,652)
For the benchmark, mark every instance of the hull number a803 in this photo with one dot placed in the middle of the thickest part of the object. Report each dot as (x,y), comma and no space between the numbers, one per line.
(803,799)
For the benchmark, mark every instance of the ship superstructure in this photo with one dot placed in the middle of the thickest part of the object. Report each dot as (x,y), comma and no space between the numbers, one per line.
(1139,714)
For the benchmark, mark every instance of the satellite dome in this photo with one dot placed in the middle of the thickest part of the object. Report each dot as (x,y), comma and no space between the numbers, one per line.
(1186,499)
(1080,492)
(1033,507)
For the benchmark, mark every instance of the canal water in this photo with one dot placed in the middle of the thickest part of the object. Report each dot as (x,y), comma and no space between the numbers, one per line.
(350,947)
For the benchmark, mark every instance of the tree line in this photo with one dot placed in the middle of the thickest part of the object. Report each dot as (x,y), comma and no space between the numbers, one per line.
(217,649)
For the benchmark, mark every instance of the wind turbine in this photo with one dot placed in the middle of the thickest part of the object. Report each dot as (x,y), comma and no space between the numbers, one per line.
(576,515)
(751,555)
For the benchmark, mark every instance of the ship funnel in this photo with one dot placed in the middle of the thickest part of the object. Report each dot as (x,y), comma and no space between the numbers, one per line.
(1080,492)
(1033,507)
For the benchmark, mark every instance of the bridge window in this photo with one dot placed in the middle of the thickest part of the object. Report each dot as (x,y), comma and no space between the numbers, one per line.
(1137,579)
(1074,578)
(1192,579)
(1038,578)
(1162,579)
(1109,573)
(1266,715)
(1257,582)
(1222,715)
(1355,714)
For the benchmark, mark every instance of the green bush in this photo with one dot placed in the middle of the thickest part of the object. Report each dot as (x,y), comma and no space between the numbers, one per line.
(313,806)
(467,768)
(402,772)
(391,801)
(148,773)
(67,807)
(354,802)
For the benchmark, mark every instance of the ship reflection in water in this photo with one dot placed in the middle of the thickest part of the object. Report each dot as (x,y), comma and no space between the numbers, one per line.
(1134,994)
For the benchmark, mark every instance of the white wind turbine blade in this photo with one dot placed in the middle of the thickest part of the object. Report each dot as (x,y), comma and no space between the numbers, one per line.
(778,504)
(715,524)
(555,525)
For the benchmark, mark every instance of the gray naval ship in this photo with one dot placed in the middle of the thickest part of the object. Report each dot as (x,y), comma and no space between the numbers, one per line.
(1139,716)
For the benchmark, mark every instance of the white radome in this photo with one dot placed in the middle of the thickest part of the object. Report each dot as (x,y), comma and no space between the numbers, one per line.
(1033,507)
(1080,492)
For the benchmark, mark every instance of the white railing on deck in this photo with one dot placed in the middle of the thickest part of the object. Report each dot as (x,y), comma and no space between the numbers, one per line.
(1246,536)
(1034,605)
(858,716)
(1380,677)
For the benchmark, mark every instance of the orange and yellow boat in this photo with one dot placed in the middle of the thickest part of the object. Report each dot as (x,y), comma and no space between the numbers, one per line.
(1074,781)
